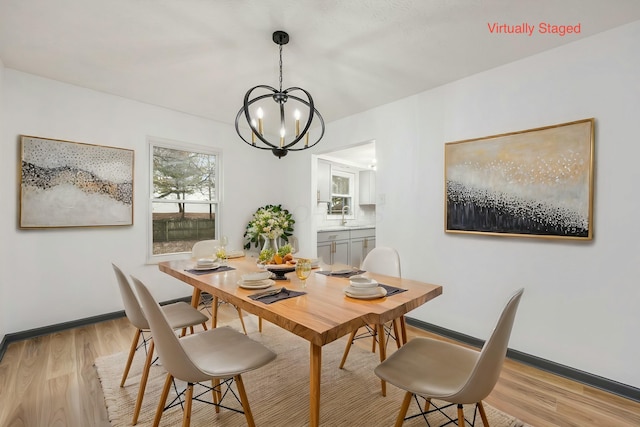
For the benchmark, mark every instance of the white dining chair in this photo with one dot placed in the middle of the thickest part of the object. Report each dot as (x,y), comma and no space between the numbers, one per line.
(219,355)
(179,315)
(386,261)
(449,372)
(207,249)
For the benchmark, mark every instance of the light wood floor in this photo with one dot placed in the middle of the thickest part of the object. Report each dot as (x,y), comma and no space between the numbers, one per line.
(51,381)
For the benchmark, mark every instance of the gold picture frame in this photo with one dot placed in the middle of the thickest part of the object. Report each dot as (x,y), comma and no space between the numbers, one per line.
(531,183)
(73,184)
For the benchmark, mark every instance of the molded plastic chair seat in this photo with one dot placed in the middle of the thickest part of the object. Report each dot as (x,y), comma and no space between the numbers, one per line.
(216,354)
(435,369)
(180,315)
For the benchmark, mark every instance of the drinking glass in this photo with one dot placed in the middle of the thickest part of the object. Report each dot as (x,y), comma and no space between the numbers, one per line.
(224,241)
(221,254)
(303,270)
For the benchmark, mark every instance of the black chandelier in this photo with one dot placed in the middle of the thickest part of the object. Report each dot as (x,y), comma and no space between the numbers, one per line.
(303,111)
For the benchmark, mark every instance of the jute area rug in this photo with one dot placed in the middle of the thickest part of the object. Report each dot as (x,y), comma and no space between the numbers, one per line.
(279,392)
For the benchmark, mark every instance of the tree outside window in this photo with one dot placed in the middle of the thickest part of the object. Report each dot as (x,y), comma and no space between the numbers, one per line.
(185,198)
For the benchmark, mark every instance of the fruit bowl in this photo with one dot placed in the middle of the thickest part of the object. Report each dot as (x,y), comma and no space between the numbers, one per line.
(280,269)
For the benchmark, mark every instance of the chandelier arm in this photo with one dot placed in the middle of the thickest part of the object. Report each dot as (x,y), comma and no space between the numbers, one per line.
(242,137)
(245,108)
(312,110)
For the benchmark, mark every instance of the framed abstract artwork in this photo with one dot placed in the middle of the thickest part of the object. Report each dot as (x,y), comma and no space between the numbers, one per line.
(72,184)
(532,183)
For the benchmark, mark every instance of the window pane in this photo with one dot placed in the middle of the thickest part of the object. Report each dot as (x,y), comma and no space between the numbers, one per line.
(340,184)
(337,203)
(183,175)
(177,226)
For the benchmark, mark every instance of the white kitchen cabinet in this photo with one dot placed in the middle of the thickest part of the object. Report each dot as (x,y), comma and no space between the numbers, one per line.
(324,181)
(333,247)
(361,241)
(367,187)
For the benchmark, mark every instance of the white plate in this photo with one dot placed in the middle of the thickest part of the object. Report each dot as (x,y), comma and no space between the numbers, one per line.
(382,292)
(362,291)
(362,282)
(256,285)
(207,267)
(343,271)
(259,276)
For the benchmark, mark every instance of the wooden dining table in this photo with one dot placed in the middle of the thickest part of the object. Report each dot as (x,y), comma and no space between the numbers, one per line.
(323,315)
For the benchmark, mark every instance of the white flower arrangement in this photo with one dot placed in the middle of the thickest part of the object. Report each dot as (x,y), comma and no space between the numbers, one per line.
(269,222)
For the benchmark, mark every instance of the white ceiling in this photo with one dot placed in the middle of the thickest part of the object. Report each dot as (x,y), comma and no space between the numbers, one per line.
(201,56)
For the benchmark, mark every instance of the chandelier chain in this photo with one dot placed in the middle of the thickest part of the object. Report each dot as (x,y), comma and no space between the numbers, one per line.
(280,68)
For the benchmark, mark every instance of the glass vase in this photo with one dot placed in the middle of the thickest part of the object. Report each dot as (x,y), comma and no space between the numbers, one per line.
(270,243)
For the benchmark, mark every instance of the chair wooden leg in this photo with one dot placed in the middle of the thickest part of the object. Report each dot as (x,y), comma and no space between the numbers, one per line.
(348,347)
(214,312)
(460,416)
(241,320)
(204,326)
(483,414)
(188,399)
(163,400)
(132,351)
(143,383)
(260,324)
(245,401)
(375,334)
(217,395)
(383,354)
(427,404)
(403,409)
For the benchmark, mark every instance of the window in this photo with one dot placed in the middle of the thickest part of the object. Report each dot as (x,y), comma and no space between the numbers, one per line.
(342,184)
(184,202)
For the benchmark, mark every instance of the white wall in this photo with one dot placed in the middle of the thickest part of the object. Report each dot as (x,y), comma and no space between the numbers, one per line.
(582,299)
(3,237)
(58,275)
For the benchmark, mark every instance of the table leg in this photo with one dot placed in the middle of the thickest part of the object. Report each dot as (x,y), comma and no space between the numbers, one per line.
(195,297)
(314,384)
(383,354)
(403,329)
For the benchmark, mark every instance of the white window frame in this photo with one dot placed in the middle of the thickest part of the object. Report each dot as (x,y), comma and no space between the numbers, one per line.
(352,184)
(183,146)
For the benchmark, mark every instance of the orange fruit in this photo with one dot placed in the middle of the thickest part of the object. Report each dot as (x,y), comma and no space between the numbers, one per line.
(277,258)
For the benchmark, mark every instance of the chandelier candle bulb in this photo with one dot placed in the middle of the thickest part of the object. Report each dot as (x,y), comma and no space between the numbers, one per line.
(296,114)
(282,137)
(306,139)
(260,114)
(253,135)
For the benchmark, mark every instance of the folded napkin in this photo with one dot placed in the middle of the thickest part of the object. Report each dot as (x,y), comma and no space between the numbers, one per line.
(216,270)
(283,294)
(391,290)
(346,274)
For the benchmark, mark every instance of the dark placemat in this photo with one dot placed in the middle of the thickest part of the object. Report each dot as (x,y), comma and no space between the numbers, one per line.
(215,270)
(392,290)
(270,299)
(346,275)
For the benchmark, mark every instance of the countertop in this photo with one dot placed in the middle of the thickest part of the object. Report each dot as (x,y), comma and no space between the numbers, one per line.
(344,227)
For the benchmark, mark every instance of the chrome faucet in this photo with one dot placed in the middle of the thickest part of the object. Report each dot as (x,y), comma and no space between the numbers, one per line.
(344,221)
